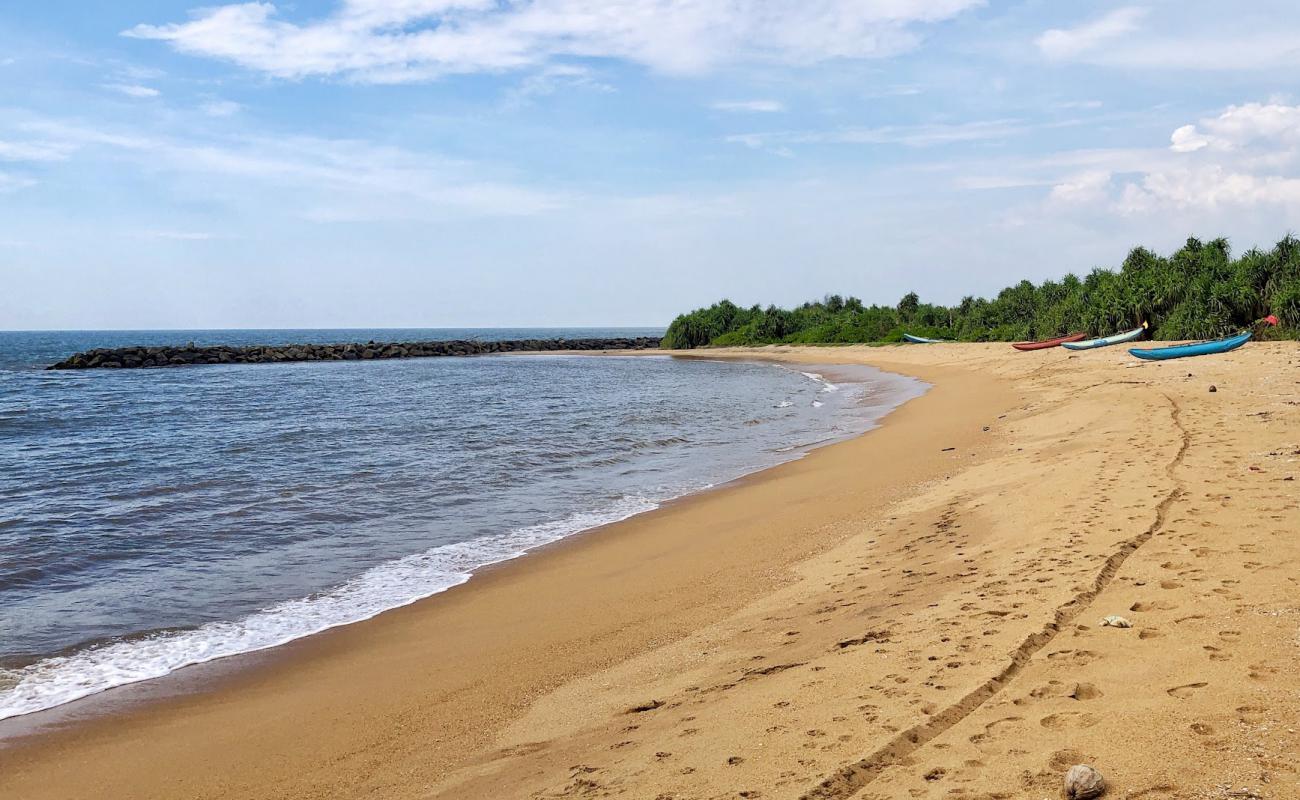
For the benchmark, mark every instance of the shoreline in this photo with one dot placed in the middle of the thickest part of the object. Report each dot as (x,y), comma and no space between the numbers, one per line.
(912,612)
(897,389)
(105,730)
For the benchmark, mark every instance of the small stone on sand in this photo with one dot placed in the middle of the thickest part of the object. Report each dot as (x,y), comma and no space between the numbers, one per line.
(1083,782)
(1114,621)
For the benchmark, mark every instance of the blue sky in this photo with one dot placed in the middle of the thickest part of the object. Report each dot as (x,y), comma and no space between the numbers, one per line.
(567,162)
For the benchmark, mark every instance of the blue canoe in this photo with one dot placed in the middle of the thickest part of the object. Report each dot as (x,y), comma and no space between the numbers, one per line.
(921,339)
(1119,338)
(1194,349)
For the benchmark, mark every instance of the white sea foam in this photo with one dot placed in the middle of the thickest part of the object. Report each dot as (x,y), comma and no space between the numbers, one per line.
(61,679)
(827,386)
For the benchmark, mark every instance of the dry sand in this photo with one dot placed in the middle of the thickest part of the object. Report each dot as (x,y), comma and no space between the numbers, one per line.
(913,613)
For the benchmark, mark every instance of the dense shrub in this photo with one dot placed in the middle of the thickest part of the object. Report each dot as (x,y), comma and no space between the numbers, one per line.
(1200,291)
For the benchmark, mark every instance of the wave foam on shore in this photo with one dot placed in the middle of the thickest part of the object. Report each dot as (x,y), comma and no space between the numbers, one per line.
(62,679)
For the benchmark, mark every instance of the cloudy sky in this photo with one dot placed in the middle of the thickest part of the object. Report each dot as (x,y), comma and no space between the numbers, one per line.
(336,163)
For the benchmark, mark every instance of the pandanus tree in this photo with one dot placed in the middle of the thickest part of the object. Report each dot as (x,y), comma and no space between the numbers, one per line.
(1199,291)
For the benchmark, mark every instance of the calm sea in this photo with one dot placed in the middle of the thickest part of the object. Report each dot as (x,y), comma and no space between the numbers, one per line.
(153,519)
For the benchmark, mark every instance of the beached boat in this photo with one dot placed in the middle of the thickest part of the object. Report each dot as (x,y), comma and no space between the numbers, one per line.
(1106,341)
(1193,349)
(907,337)
(1046,343)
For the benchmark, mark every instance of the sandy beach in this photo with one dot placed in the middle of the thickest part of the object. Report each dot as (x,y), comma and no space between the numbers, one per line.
(912,613)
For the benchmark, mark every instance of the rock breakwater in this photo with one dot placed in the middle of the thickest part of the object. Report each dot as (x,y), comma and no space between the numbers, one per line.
(190,355)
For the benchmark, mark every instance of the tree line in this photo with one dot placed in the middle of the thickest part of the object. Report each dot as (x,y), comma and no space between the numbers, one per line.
(1198,292)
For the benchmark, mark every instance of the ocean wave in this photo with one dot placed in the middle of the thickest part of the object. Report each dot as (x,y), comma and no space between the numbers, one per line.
(64,678)
(827,386)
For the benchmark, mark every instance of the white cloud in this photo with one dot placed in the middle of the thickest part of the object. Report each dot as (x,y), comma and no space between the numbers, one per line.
(33,151)
(221,108)
(1240,164)
(908,135)
(391,41)
(1246,157)
(551,79)
(1208,187)
(329,179)
(12,183)
(132,89)
(750,106)
(1249,51)
(985,182)
(1064,43)
(901,90)
(1078,104)
(1185,37)
(177,236)
(1085,187)
(1240,126)
(1187,140)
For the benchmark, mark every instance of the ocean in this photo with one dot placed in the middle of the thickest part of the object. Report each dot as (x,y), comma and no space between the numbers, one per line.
(153,519)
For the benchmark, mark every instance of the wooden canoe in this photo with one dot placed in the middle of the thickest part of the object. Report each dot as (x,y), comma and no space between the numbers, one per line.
(1194,349)
(1106,341)
(1046,343)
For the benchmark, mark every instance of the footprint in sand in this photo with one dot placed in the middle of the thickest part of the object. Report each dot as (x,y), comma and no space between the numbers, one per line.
(1085,691)
(994,728)
(1068,719)
(1186,690)
(1052,689)
(1078,657)
(1262,672)
(1062,760)
(1252,715)
(1145,605)
(1216,654)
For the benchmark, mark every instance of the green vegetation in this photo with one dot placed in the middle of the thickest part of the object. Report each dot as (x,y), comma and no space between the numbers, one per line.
(1199,292)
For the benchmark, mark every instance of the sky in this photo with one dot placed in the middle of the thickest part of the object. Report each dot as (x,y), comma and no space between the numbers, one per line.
(447,163)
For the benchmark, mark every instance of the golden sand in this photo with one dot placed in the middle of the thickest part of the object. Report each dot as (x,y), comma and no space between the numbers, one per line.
(913,613)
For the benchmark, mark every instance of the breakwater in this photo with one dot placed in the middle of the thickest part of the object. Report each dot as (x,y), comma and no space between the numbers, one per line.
(191,355)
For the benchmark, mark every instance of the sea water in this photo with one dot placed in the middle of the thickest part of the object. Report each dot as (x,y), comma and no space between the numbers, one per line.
(154,519)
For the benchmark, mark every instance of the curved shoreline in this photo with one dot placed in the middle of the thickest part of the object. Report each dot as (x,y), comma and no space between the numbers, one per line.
(617,589)
(904,614)
(83,702)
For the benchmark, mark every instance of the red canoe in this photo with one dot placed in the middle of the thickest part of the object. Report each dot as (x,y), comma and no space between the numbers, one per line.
(1046,343)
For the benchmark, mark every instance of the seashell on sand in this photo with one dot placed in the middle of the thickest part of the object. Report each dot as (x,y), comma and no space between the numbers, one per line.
(1083,782)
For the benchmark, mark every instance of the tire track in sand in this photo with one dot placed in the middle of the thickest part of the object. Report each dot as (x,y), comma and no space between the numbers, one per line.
(852,778)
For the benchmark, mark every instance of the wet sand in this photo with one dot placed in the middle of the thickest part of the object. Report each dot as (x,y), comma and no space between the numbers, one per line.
(913,613)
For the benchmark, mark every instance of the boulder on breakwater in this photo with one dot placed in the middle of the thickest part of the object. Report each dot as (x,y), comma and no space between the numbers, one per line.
(188,355)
